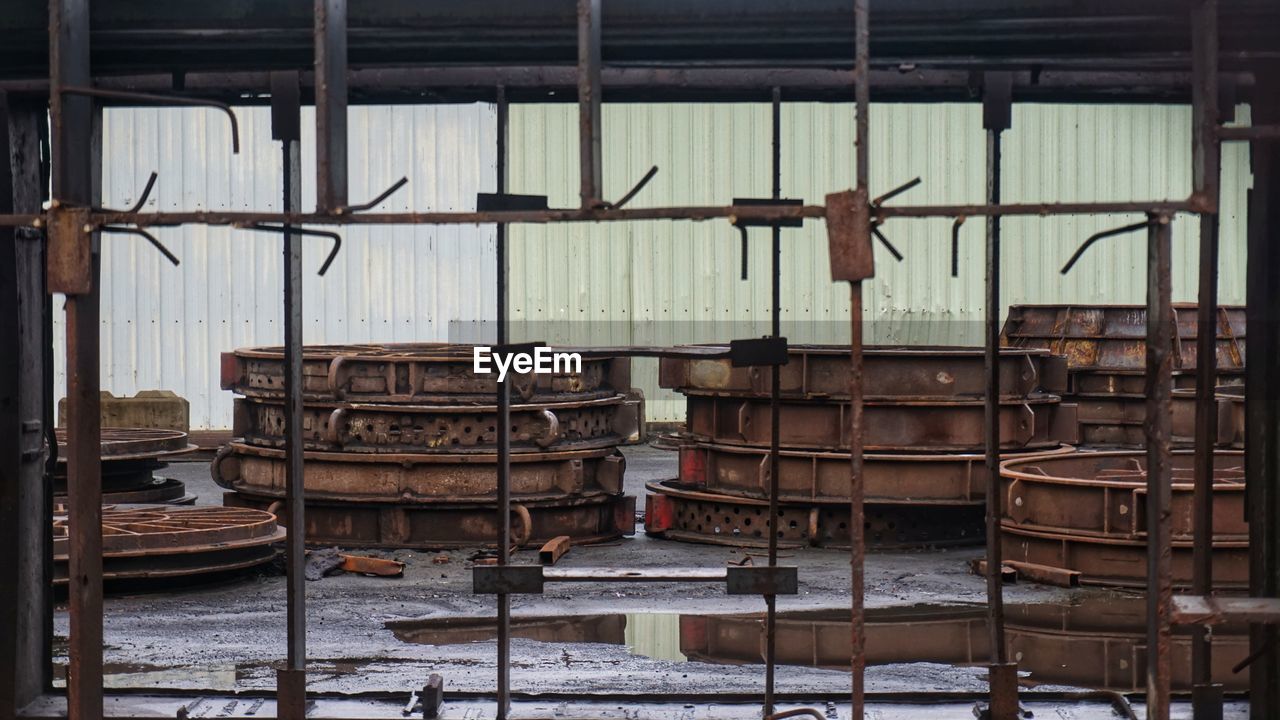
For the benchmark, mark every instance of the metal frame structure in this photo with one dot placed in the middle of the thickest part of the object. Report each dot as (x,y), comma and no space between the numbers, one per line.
(73,224)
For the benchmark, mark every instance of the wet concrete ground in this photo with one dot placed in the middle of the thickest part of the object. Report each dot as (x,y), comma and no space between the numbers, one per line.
(388,634)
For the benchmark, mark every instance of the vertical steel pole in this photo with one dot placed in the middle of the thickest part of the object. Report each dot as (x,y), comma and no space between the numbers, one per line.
(775,318)
(857,553)
(1206,167)
(24,489)
(291,680)
(331,103)
(504,424)
(1262,377)
(75,158)
(589,112)
(1159,389)
(1003,675)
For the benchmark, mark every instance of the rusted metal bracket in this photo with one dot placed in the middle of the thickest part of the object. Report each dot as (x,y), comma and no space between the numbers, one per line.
(743,223)
(955,246)
(496,202)
(291,230)
(70,250)
(530,579)
(849,236)
(159,99)
(756,352)
(374,202)
(1100,235)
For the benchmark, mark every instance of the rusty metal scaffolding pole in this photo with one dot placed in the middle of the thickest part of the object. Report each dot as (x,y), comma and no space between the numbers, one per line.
(504,419)
(775,405)
(997,107)
(857,531)
(1159,389)
(291,680)
(331,103)
(1206,168)
(74,269)
(590,164)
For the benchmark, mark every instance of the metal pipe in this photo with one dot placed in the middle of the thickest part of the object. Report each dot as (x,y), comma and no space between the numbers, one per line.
(775,399)
(589,106)
(995,581)
(330,36)
(504,421)
(293,449)
(1159,388)
(763,214)
(1206,167)
(857,553)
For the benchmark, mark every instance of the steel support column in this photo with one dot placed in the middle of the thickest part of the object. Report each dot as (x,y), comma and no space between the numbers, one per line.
(589,102)
(857,531)
(775,404)
(1159,389)
(1262,410)
(24,492)
(76,166)
(1205,171)
(997,109)
(331,104)
(285,127)
(504,423)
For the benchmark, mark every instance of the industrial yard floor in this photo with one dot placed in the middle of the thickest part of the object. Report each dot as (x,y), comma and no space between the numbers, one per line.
(369,634)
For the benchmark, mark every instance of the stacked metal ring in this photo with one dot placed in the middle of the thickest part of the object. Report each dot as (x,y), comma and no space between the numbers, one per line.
(130,457)
(1084,513)
(400,446)
(923,466)
(1105,347)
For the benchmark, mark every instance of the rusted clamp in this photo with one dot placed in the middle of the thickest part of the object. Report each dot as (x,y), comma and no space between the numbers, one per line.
(553,432)
(525,524)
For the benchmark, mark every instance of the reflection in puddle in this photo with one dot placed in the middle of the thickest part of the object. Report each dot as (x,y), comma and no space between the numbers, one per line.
(1098,642)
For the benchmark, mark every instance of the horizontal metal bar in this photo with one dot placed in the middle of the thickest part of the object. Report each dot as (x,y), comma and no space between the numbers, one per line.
(1202,610)
(1254,132)
(492,579)
(761,213)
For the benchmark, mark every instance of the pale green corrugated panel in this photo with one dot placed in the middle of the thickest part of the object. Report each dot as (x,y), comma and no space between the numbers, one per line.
(648,283)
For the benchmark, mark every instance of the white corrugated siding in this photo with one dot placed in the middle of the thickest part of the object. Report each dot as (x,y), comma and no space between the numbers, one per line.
(164,327)
(639,283)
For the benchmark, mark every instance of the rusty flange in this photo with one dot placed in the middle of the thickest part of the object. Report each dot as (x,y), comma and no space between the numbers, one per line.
(145,542)
(680,513)
(420,478)
(822,371)
(1086,511)
(156,491)
(459,428)
(823,477)
(134,443)
(954,425)
(590,519)
(411,373)
(1114,336)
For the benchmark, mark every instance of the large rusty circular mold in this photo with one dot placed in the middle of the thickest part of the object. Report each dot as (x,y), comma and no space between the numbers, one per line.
(821,477)
(457,428)
(1086,511)
(410,373)
(419,479)
(584,520)
(901,424)
(148,542)
(680,513)
(134,443)
(890,373)
(1114,337)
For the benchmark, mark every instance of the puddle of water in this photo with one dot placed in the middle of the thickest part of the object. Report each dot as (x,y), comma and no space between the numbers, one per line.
(1095,642)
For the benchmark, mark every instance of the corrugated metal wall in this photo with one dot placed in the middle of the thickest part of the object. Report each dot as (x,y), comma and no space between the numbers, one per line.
(164,327)
(640,283)
(663,282)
